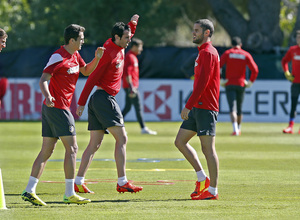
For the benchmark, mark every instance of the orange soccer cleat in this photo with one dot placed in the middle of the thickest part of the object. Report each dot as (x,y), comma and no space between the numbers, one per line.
(206,196)
(128,187)
(288,130)
(200,187)
(82,188)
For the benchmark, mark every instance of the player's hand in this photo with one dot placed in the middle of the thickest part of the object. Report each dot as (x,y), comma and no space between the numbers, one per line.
(79,110)
(248,84)
(185,113)
(223,82)
(99,52)
(133,92)
(289,76)
(132,95)
(134,19)
(49,101)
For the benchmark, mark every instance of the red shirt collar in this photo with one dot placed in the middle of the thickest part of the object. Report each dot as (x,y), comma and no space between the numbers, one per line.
(114,45)
(204,45)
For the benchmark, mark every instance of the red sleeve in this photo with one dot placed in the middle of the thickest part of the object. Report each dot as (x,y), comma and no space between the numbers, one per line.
(206,62)
(253,68)
(132,28)
(286,59)
(223,59)
(129,65)
(129,61)
(94,78)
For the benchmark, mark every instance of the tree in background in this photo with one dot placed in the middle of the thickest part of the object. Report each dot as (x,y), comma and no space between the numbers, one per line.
(290,20)
(40,24)
(259,29)
(261,24)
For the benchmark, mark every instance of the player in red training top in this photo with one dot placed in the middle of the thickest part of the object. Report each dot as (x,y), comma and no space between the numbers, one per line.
(57,121)
(103,110)
(293,55)
(200,112)
(3,80)
(236,60)
(130,81)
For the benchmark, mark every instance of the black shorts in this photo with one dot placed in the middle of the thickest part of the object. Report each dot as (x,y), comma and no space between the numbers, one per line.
(57,122)
(104,111)
(295,89)
(202,121)
(235,97)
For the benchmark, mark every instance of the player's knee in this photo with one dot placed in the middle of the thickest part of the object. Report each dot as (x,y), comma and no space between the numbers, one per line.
(73,149)
(122,140)
(178,143)
(45,154)
(208,151)
(125,139)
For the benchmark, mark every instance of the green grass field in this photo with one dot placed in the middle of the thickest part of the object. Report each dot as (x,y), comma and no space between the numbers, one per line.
(259,175)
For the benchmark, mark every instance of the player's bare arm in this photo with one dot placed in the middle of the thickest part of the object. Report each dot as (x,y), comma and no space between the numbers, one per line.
(185,113)
(90,67)
(45,89)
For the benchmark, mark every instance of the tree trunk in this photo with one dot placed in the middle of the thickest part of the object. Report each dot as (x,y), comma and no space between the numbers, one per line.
(261,33)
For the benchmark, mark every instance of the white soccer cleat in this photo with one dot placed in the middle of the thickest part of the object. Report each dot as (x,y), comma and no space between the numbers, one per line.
(146,130)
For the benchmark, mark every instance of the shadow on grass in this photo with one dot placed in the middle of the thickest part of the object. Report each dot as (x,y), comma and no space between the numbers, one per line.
(141,200)
(127,201)
(104,201)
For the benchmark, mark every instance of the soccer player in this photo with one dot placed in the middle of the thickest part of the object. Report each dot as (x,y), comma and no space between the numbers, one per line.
(3,80)
(103,110)
(131,83)
(236,60)
(293,55)
(200,112)
(57,121)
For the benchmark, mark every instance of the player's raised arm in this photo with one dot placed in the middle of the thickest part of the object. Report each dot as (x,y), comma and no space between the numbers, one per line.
(134,19)
(90,67)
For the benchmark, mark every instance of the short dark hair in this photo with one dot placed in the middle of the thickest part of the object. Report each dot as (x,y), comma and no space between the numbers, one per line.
(206,24)
(136,42)
(236,41)
(72,31)
(3,33)
(118,29)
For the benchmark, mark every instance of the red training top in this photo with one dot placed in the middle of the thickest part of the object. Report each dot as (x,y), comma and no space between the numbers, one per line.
(131,68)
(293,54)
(64,69)
(109,71)
(206,87)
(236,60)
